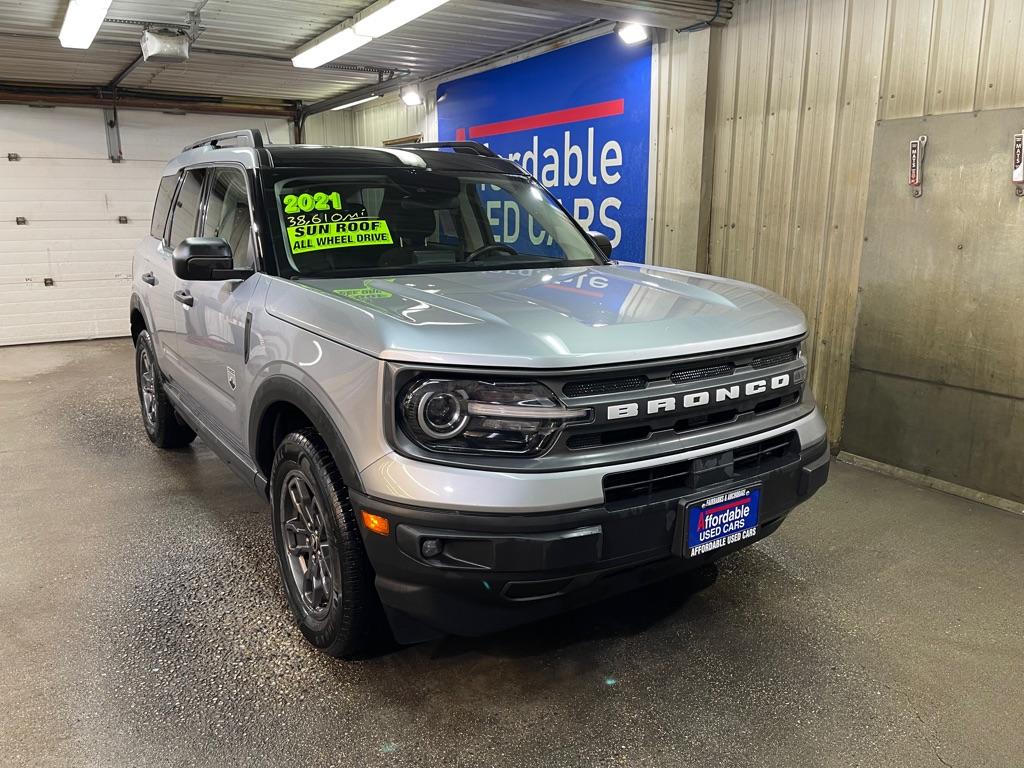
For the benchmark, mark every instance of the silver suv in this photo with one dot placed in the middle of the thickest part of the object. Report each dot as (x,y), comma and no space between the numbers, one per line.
(464,413)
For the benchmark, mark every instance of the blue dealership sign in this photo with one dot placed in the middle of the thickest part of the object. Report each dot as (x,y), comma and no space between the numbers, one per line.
(579,119)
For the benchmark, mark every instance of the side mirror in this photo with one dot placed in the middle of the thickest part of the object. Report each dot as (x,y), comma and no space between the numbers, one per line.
(206,258)
(602,242)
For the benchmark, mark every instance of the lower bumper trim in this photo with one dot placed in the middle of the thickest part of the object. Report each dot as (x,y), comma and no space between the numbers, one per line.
(491,572)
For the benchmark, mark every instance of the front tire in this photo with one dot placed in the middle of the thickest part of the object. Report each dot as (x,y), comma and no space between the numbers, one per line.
(162,424)
(327,576)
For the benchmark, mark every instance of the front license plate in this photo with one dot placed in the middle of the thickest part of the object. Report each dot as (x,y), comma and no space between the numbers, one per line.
(725,519)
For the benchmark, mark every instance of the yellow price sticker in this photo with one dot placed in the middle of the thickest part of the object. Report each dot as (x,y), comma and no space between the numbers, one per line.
(338,234)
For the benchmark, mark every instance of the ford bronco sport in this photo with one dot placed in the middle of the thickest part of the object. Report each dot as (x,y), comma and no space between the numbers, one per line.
(459,426)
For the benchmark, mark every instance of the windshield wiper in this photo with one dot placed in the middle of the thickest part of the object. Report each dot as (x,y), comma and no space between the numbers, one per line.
(483,266)
(432,269)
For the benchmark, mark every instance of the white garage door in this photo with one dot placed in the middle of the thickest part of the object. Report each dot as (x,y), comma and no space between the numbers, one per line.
(65,272)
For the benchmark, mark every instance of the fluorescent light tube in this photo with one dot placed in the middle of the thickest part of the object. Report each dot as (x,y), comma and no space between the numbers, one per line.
(329,49)
(353,103)
(82,21)
(387,17)
(393,15)
(632,34)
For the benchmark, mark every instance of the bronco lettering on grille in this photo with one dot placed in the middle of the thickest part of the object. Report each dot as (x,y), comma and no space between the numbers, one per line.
(700,398)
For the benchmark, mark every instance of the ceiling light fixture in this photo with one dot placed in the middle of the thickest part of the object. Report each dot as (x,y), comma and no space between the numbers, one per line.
(632,33)
(332,46)
(387,17)
(354,103)
(82,21)
(376,21)
(411,96)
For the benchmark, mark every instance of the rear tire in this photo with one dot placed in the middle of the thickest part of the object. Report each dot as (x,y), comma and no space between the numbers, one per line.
(162,424)
(327,576)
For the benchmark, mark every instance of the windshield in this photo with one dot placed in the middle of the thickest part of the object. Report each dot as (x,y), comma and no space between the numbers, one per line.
(414,221)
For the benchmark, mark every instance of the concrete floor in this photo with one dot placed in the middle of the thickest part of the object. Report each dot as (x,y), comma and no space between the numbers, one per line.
(142,622)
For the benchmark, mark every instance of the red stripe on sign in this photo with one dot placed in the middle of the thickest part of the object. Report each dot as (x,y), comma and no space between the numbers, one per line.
(548,119)
(460,134)
(727,505)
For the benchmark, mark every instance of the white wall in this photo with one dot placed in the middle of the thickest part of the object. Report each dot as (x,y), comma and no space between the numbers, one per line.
(72,195)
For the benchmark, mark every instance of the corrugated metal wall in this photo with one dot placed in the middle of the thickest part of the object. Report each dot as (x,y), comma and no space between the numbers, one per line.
(370,126)
(684,124)
(800,86)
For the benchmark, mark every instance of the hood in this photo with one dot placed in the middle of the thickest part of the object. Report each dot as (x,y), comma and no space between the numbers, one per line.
(536,318)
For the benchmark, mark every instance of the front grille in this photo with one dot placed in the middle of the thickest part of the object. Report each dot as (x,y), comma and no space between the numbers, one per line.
(679,373)
(779,358)
(604,387)
(608,437)
(703,372)
(666,481)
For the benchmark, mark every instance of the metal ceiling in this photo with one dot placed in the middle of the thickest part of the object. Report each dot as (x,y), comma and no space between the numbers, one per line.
(243,48)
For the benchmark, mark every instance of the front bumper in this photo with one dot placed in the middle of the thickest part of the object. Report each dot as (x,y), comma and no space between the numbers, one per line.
(498,570)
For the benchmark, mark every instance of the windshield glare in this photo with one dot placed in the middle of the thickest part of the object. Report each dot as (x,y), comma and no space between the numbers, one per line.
(409,222)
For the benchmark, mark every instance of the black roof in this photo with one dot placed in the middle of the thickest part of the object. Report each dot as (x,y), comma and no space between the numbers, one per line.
(345,158)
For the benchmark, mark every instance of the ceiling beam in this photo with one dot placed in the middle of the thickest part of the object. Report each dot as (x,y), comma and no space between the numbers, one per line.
(664,15)
(368,69)
(59,96)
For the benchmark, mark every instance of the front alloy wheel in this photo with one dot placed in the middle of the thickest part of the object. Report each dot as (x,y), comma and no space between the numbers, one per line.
(327,576)
(308,546)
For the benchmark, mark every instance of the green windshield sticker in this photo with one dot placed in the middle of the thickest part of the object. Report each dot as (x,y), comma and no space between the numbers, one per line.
(367,293)
(304,238)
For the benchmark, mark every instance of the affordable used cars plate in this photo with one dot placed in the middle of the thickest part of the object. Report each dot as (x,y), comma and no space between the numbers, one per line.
(722,520)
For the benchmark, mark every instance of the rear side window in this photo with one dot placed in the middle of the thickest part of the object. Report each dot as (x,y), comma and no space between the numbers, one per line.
(164,195)
(186,206)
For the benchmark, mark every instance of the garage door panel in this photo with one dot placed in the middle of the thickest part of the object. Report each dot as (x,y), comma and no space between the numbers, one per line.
(90,237)
(97,209)
(72,195)
(44,183)
(53,133)
(80,310)
(68,312)
(64,269)
(17,300)
(59,193)
(55,250)
(73,330)
(88,175)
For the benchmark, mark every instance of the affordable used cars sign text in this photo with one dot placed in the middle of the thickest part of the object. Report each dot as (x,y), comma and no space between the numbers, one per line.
(579,120)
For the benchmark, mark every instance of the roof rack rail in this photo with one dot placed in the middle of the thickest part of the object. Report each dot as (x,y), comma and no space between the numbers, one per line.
(248,137)
(463,147)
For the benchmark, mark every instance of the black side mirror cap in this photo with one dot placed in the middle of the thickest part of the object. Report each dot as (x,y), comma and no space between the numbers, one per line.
(602,242)
(206,258)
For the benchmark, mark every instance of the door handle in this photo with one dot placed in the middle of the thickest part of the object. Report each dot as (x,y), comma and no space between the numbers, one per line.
(149,278)
(185,298)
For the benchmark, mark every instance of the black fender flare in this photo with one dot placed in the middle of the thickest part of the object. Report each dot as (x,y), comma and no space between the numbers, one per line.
(277,389)
(136,305)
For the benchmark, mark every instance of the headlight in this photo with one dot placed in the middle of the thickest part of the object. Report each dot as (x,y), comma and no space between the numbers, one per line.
(473,416)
